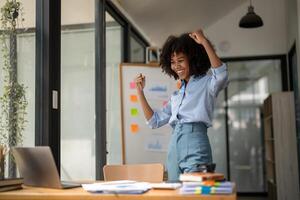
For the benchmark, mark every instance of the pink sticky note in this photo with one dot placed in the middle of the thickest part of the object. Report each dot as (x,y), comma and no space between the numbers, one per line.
(132,85)
(164,103)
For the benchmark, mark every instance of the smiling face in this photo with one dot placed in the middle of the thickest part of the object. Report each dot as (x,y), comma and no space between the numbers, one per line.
(180,65)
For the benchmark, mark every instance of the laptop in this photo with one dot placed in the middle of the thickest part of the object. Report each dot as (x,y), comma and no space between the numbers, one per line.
(36,165)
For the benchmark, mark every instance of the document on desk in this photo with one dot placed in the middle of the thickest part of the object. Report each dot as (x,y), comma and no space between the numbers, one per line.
(118,188)
(166,186)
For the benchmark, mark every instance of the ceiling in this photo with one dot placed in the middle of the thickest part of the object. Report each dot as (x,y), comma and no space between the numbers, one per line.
(160,18)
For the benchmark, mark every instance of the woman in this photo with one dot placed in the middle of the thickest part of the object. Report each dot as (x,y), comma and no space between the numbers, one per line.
(190,109)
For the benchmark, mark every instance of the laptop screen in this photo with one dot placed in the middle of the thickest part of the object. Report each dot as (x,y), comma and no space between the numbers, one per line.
(37,166)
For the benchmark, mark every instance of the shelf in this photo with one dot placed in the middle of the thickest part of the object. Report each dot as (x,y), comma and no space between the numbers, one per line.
(278,112)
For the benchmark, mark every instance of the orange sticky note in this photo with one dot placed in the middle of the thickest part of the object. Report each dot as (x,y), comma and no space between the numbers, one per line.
(132,85)
(178,84)
(134,128)
(133,98)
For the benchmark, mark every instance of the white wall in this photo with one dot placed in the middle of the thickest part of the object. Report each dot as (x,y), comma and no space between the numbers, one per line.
(228,38)
(291,23)
(232,41)
(80,11)
(28,11)
(130,19)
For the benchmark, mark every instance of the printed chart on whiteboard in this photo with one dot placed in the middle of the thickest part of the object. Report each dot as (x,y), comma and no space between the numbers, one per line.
(142,144)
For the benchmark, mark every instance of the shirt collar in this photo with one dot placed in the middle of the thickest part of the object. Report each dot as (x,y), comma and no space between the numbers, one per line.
(192,78)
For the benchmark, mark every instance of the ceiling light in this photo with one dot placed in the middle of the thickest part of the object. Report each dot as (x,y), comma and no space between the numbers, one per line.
(251,20)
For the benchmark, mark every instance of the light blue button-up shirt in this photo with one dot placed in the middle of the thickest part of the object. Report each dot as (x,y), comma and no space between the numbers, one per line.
(194,102)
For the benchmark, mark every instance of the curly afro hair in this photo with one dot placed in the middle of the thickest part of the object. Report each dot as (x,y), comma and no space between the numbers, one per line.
(196,54)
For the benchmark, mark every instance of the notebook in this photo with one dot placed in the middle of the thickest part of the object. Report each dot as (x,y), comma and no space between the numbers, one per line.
(201,176)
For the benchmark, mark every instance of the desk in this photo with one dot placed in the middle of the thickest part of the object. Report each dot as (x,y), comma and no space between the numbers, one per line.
(32,193)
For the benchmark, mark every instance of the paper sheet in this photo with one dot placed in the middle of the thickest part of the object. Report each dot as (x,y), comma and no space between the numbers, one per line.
(118,188)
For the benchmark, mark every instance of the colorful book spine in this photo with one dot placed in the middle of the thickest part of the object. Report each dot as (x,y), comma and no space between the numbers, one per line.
(208,183)
(206,190)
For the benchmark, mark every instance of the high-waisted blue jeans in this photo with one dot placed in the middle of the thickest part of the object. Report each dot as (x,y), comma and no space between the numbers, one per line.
(189,147)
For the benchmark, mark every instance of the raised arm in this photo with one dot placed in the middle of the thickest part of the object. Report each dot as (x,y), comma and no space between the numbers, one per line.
(199,37)
(140,84)
(219,78)
(155,119)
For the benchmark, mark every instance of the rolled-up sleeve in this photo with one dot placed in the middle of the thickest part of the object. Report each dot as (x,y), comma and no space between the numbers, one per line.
(160,117)
(219,79)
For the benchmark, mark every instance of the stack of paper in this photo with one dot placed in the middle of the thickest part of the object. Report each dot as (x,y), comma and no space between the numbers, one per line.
(118,187)
(167,186)
(207,187)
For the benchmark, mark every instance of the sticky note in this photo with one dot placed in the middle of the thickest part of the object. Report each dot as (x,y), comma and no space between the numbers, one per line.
(134,112)
(133,98)
(178,84)
(132,85)
(134,128)
(165,103)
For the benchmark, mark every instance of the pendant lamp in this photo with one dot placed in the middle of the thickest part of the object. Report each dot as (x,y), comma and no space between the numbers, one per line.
(251,19)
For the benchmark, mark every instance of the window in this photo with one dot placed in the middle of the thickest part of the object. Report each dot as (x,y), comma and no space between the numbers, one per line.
(25,66)
(113,97)
(137,50)
(77,90)
(250,83)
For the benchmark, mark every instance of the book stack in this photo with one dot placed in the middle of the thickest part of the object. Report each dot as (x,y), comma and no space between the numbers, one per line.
(205,183)
(8,184)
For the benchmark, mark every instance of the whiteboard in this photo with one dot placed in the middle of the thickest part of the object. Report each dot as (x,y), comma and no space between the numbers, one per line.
(141,144)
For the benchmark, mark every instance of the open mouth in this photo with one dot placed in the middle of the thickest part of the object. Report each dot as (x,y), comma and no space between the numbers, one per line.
(180,72)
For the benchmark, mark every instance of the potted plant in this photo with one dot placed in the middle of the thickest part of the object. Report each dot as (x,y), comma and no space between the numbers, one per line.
(12,100)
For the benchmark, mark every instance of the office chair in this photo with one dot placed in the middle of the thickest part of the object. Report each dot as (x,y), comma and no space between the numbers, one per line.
(152,173)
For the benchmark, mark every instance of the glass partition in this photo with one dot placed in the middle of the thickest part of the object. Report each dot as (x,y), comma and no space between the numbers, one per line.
(77,90)
(24,44)
(25,65)
(250,83)
(113,97)
(137,51)
(217,135)
(26,75)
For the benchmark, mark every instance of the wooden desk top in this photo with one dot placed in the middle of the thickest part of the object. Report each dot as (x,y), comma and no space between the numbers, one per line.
(33,193)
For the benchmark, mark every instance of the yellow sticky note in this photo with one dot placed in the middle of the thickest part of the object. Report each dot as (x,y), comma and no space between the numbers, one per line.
(133,98)
(134,112)
(134,128)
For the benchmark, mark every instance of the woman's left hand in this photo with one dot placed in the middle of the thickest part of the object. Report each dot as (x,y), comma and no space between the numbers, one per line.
(198,36)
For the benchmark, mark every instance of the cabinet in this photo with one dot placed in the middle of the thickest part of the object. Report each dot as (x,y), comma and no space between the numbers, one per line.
(281,146)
